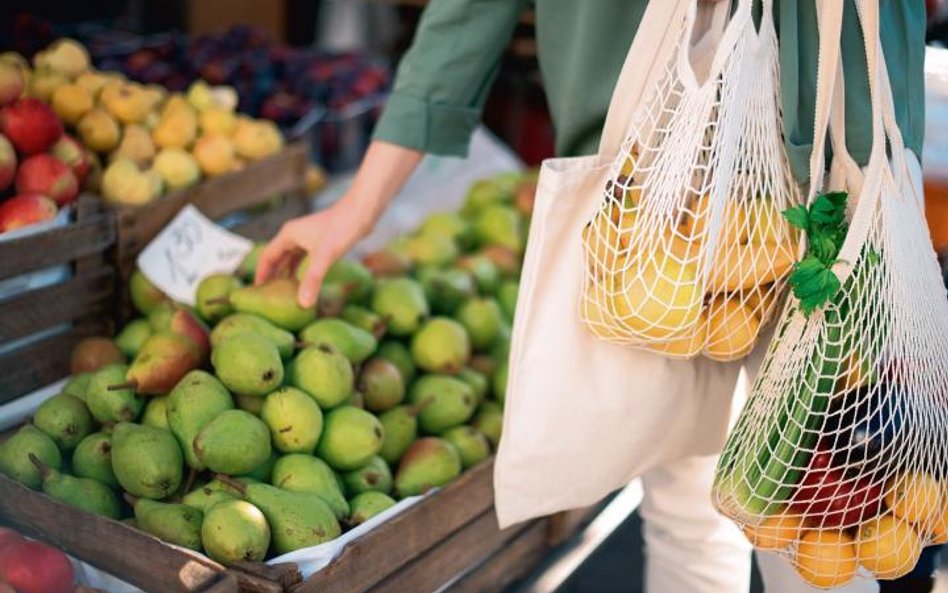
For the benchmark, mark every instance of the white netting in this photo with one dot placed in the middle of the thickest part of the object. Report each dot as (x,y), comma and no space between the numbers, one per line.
(688,253)
(840,456)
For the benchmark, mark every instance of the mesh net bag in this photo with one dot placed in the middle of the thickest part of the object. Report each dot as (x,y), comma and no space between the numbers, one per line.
(688,253)
(839,459)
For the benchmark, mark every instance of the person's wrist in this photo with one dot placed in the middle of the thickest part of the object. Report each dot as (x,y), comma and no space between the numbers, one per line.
(361,209)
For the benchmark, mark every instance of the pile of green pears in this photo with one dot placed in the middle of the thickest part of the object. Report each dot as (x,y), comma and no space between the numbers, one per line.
(248,427)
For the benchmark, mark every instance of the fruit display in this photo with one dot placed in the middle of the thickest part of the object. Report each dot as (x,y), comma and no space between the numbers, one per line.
(249,427)
(28,566)
(652,283)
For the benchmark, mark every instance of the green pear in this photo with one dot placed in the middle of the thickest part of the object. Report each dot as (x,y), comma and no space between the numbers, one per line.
(132,336)
(500,349)
(375,476)
(490,421)
(400,425)
(93,459)
(486,365)
(196,400)
(472,445)
(367,505)
(448,224)
(213,296)
(507,296)
(145,295)
(207,495)
(500,225)
(276,302)
(351,437)
(355,343)
(177,524)
(112,405)
(353,275)
(477,381)
(297,519)
(15,455)
(249,403)
(429,463)
(88,495)
(147,461)
(446,288)
(237,323)
(248,267)
(156,412)
(235,531)
(401,302)
(482,319)
(248,364)
(164,358)
(381,385)
(294,419)
(366,320)
(304,473)
(486,193)
(264,471)
(485,272)
(78,385)
(399,355)
(159,318)
(500,382)
(235,443)
(431,249)
(324,373)
(65,419)
(356,400)
(387,263)
(449,402)
(441,346)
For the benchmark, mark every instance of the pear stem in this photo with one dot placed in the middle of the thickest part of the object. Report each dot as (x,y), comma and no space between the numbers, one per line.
(235,484)
(192,475)
(417,408)
(222,300)
(302,344)
(130,498)
(131,384)
(43,469)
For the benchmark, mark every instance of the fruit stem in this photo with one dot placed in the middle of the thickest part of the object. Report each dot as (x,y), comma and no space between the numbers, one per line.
(130,498)
(417,408)
(132,384)
(235,484)
(221,300)
(192,475)
(43,469)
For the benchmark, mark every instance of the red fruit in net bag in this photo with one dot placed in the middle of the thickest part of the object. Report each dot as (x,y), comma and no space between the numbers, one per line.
(32,567)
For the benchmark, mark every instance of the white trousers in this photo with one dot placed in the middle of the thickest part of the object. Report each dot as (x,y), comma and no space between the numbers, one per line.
(690,548)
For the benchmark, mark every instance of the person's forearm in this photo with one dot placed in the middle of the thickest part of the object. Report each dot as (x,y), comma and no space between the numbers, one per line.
(382,174)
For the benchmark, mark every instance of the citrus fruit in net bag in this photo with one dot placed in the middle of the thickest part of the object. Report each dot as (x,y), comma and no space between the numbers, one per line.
(888,546)
(775,532)
(826,558)
(657,296)
(916,497)
(732,329)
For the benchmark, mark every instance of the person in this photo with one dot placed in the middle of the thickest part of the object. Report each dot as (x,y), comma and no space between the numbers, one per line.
(440,89)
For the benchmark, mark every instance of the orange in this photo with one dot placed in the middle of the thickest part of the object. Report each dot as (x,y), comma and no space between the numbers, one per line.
(888,546)
(826,558)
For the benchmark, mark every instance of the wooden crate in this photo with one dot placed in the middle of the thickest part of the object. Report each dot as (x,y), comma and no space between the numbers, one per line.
(83,299)
(268,191)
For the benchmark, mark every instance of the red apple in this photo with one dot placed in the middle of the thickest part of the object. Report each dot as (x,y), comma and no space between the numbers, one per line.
(32,567)
(70,151)
(24,210)
(46,174)
(30,125)
(7,163)
(11,83)
(8,536)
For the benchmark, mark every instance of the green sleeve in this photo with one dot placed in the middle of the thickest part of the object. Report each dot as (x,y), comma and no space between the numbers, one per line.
(902,24)
(444,78)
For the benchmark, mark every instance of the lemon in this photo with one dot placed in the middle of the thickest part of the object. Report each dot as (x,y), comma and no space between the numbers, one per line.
(732,329)
(689,345)
(889,547)
(740,267)
(775,532)
(766,222)
(916,497)
(735,220)
(657,296)
(826,558)
(601,240)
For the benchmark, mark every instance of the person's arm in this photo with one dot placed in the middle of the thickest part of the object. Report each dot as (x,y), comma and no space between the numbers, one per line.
(439,93)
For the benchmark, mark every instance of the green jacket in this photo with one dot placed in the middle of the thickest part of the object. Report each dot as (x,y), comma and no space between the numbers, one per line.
(445,77)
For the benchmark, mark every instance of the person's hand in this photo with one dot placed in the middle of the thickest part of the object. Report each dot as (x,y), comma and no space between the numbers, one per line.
(328,235)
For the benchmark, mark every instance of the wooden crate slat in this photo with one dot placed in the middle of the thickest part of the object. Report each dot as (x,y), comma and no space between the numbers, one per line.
(34,311)
(467,547)
(506,566)
(563,525)
(57,246)
(42,362)
(266,224)
(400,540)
(121,550)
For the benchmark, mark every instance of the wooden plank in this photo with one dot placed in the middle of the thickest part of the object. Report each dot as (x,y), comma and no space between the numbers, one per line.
(405,537)
(112,546)
(227,584)
(42,362)
(265,225)
(467,547)
(57,246)
(34,311)
(564,525)
(508,565)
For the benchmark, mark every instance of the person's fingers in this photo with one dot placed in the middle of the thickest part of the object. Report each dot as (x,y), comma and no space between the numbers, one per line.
(270,257)
(312,280)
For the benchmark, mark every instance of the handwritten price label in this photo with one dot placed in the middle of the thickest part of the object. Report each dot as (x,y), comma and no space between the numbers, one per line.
(189,249)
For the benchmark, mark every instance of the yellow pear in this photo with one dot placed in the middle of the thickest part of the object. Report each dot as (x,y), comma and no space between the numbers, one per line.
(43,83)
(99,131)
(217,120)
(657,296)
(199,95)
(177,168)
(735,221)
(66,56)
(136,145)
(740,267)
(732,329)
(124,183)
(129,103)
(71,102)
(257,140)
(215,154)
(176,129)
(176,103)
(315,179)
(92,81)
(155,94)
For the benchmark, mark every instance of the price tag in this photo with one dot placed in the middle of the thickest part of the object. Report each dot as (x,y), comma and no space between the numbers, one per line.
(189,249)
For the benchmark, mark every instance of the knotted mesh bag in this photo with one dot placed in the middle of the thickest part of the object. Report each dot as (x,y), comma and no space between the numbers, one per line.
(839,459)
(688,253)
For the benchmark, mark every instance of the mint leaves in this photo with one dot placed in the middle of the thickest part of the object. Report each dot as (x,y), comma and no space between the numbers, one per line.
(812,279)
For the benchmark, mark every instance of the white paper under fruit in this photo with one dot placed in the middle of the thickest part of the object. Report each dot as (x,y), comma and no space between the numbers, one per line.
(840,458)
(688,252)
